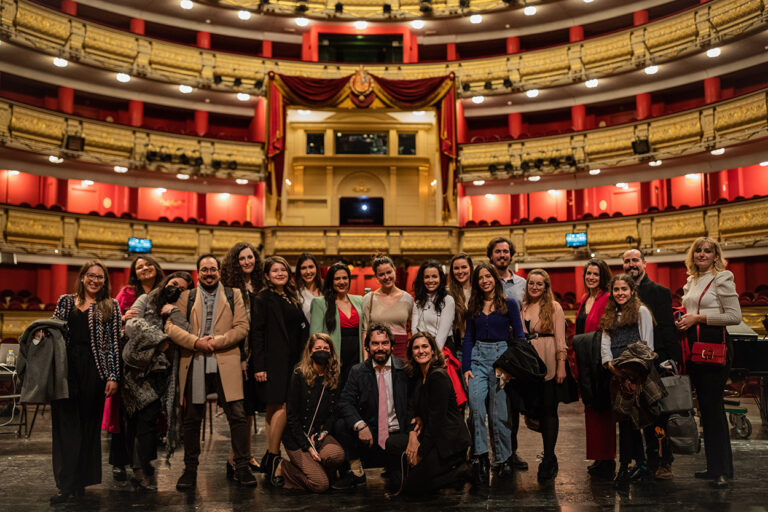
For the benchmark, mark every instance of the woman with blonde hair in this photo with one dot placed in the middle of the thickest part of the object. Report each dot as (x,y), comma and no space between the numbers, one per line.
(389,305)
(711,302)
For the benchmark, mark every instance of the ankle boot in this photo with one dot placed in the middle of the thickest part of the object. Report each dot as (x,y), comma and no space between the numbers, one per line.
(481,470)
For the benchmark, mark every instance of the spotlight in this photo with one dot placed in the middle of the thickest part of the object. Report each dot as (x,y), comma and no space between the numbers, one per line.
(508,167)
(713,52)
(464,3)
(302,22)
(507,83)
(232,165)
(386,9)
(244,15)
(216,79)
(525,166)
(120,169)
(237,82)
(478,183)
(243,96)
(417,24)
(532,93)
(492,168)
(361,25)
(538,163)
(478,99)
(186,4)
(570,160)
(554,162)
(301,8)
(241,181)
(465,87)
(591,84)
(123,78)
(185,89)
(534,178)
(216,164)
(182,176)
(651,70)
(60,63)
(488,85)
(475,19)
(594,172)
(529,10)
(717,152)
(338,8)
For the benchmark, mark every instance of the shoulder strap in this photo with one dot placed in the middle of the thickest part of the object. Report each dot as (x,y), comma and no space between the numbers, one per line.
(191,301)
(698,306)
(230,293)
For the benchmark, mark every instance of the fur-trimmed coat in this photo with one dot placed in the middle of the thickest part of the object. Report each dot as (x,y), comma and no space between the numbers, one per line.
(146,366)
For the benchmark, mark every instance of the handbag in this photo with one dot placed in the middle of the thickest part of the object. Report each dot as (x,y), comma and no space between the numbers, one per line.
(707,352)
(679,397)
(683,433)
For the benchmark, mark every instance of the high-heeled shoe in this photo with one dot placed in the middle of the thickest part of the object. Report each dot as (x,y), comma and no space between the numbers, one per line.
(230,471)
(254,465)
(273,478)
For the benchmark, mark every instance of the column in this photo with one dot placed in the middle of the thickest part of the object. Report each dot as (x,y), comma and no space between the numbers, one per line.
(59,285)
(578,281)
(570,205)
(450,52)
(642,105)
(579,204)
(135,113)
(578,117)
(201,122)
(639,18)
(204,40)
(711,89)
(513,45)
(575,33)
(201,210)
(66,99)
(69,7)
(43,290)
(461,123)
(266,49)
(515,124)
(646,196)
(258,123)
(137,26)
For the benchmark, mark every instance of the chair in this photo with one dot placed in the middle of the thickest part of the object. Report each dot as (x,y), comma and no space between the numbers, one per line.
(604,215)
(483,223)
(551,220)
(538,220)
(587,216)
(470,224)
(111,215)
(495,222)
(163,219)
(126,215)
(235,223)
(56,208)
(178,220)
(617,214)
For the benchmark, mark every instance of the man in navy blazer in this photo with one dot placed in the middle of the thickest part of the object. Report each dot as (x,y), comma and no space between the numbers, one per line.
(360,407)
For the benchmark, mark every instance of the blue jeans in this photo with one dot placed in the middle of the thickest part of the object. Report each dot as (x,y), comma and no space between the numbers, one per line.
(483,386)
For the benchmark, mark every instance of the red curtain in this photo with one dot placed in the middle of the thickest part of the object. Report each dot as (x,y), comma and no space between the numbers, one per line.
(315,92)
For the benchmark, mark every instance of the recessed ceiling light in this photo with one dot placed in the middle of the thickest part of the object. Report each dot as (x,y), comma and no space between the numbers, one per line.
(623,185)
(651,70)
(529,10)
(186,4)
(160,191)
(186,89)
(718,151)
(419,113)
(764,164)
(123,78)
(713,52)
(243,96)
(534,178)
(692,177)
(588,1)
(594,172)
(60,63)
(417,24)
(478,99)
(591,84)
(478,183)
(224,196)
(86,183)
(55,159)
(182,176)
(532,93)
(244,15)
(13,173)
(489,197)
(303,112)
(120,169)
(302,22)
(475,19)
(655,163)
(361,25)
(241,181)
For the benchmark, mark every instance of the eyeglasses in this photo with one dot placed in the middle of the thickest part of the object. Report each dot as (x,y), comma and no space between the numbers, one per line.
(209,270)
(95,277)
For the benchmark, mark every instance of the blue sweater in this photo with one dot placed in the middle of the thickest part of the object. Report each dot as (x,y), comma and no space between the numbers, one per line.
(493,327)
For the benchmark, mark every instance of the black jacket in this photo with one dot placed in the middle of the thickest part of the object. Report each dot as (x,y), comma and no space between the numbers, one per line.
(443,426)
(360,398)
(659,301)
(594,379)
(300,408)
(524,364)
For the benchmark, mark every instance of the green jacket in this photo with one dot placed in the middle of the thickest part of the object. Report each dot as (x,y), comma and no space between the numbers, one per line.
(317,321)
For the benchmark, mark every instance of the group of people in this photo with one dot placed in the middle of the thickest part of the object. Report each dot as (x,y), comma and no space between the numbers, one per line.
(385,380)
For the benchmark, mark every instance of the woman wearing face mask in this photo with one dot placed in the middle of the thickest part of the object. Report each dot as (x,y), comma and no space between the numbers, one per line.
(278,335)
(389,305)
(313,454)
(149,382)
(308,281)
(491,320)
(711,303)
(338,314)
(460,288)
(544,324)
(626,321)
(242,269)
(93,371)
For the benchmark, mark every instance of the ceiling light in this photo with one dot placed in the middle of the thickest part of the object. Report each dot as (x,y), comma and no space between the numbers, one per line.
(419,113)
(302,22)
(86,183)
(764,164)
(490,197)
(60,63)
(651,70)
(433,182)
(186,4)
(120,169)
(303,112)
(241,181)
(361,25)
(160,191)
(417,24)
(625,186)
(693,177)
(529,10)
(478,99)
(478,183)
(244,15)
(532,93)
(182,176)
(123,78)
(591,84)
(475,19)
(534,178)
(588,1)
(594,172)
(13,173)
(243,96)
(713,52)
(717,152)
(288,182)
(655,163)
(55,159)
(186,89)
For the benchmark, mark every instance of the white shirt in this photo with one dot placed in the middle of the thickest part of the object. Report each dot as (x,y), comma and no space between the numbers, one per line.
(394,425)
(306,302)
(644,325)
(429,320)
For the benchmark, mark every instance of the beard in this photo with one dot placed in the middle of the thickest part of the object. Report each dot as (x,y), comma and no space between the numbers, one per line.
(380,357)
(209,288)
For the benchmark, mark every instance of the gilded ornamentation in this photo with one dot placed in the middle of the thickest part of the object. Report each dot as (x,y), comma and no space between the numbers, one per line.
(103,235)
(33,228)
(223,240)
(678,227)
(610,233)
(748,221)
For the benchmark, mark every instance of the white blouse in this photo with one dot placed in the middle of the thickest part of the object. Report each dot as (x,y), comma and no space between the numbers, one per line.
(306,301)
(721,302)
(429,320)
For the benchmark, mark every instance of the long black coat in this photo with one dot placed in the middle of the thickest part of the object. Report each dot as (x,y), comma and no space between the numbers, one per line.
(272,349)
(659,300)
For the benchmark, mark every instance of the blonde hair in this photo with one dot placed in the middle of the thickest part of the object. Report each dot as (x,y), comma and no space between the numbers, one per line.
(719,264)
(546,301)
(331,377)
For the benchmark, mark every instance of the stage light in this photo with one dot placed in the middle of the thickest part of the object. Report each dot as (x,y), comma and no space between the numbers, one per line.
(241,181)
(243,96)
(86,183)
(530,10)
(224,196)
(302,22)
(186,4)
(475,19)
(55,159)
(361,25)
(591,84)
(717,152)
(478,99)
(185,89)
(534,178)
(182,176)
(478,183)
(622,185)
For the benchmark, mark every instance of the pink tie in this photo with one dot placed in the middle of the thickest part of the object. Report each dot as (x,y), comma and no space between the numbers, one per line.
(383,412)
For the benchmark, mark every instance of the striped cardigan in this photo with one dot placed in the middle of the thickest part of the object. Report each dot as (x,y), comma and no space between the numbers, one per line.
(105,336)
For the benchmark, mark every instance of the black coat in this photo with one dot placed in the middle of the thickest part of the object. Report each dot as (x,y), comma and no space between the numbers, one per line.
(273,349)
(594,379)
(360,398)
(659,301)
(300,409)
(443,426)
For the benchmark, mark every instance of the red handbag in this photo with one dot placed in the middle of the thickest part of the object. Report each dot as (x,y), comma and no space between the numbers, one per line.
(703,352)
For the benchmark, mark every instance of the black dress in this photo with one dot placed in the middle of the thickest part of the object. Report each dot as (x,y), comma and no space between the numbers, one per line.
(76,421)
(251,401)
(581,320)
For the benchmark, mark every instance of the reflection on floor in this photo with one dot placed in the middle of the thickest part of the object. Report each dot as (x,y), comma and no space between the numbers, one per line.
(26,481)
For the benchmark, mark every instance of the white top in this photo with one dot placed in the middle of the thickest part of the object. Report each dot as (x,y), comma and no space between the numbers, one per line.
(644,325)
(386,369)
(429,320)
(306,301)
(720,303)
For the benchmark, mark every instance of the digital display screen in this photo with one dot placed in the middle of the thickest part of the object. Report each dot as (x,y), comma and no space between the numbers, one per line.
(140,245)
(575,239)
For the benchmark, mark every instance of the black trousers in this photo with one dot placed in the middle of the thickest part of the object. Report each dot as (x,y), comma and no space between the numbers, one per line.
(548,419)
(141,433)
(193,418)
(630,444)
(658,450)
(430,474)
(371,456)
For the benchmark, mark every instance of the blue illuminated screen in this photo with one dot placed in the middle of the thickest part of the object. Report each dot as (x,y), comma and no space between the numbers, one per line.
(139,245)
(575,239)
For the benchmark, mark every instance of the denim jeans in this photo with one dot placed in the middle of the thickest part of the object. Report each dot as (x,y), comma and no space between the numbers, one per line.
(483,386)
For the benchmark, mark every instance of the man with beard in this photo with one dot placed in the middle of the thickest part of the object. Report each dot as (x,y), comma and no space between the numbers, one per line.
(500,251)
(659,301)
(210,363)
(373,409)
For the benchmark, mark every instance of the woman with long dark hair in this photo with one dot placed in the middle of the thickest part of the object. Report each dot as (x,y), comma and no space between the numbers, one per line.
(491,320)
(711,302)
(93,366)
(388,305)
(544,323)
(309,283)
(434,309)
(460,287)
(242,269)
(278,334)
(339,313)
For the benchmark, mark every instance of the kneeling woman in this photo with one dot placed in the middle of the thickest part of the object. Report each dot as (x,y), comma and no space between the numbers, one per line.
(313,455)
(439,439)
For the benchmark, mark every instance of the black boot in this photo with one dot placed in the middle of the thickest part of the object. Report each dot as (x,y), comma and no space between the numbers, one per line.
(623,475)
(547,469)
(481,470)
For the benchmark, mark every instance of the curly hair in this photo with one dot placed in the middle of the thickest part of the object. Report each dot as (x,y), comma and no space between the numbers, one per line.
(420,290)
(719,264)
(616,315)
(329,294)
(457,291)
(477,298)
(318,280)
(437,361)
(331,377)
(104,303)
(232,274)
(290,288)
(133,278)
(546,301)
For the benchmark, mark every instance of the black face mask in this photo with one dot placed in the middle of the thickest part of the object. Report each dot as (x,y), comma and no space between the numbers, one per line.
(321,357)
(169,295)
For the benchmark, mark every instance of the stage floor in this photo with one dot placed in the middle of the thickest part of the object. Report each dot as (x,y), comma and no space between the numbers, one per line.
(26,481)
